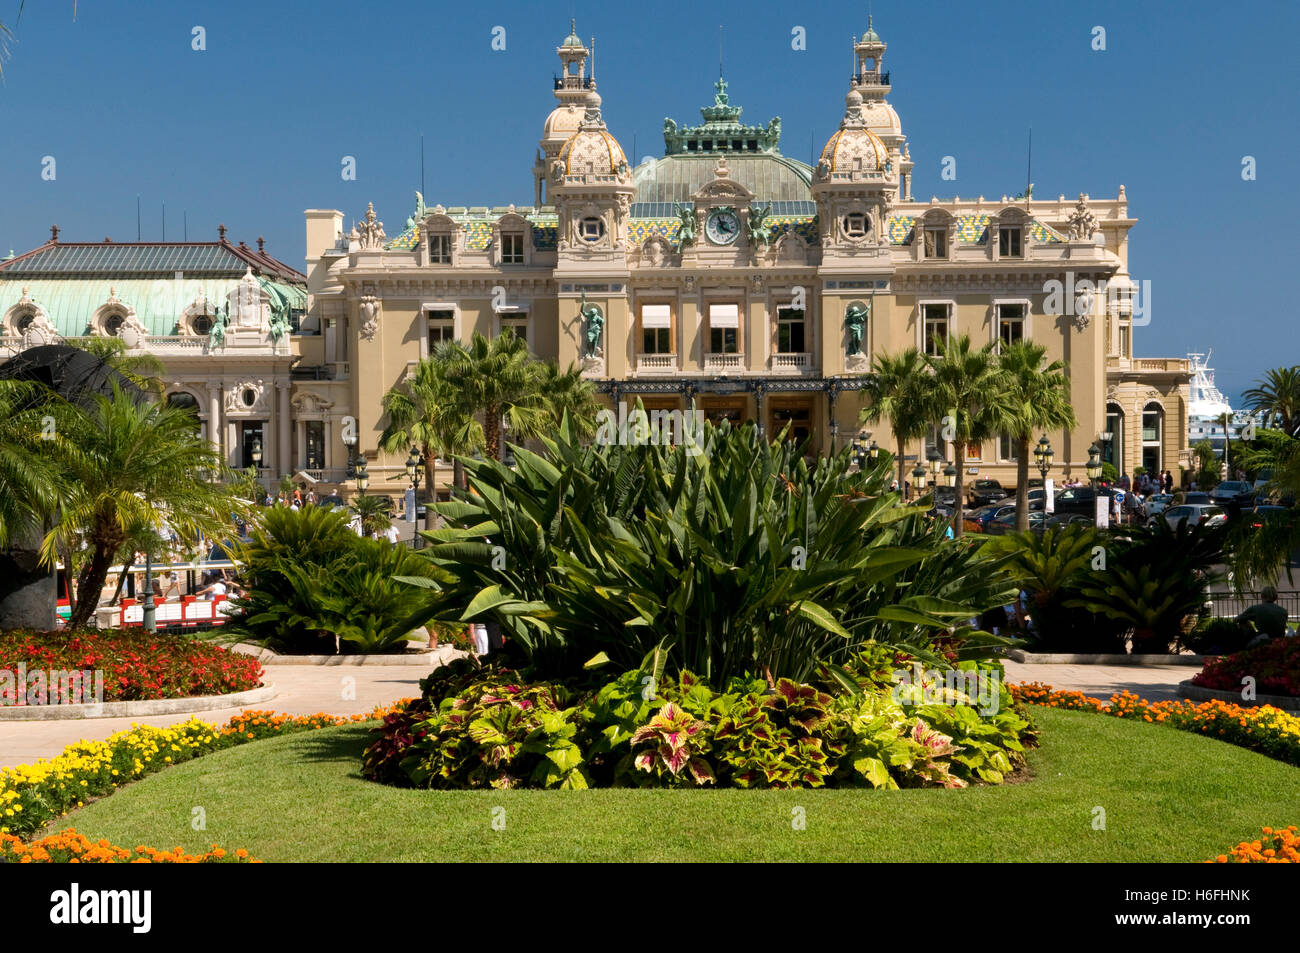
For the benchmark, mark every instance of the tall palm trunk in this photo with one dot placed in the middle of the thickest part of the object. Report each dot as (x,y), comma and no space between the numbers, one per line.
(92,586)
(959,506)
(1022,485)
(902,446)
(492,432)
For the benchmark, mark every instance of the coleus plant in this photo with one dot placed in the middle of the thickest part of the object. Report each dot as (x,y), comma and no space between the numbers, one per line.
(676,742)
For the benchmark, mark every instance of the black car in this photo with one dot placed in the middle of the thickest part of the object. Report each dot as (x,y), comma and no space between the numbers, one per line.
(1256,516)
(1197,497)
(1080,499)
(984,492)
(1005,522)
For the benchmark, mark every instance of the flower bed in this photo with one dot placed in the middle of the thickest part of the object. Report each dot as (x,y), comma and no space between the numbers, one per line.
(1265,729)
(69,847)
(1275,847)
(488,727)
(136,666)
(1275,667)
(32,795)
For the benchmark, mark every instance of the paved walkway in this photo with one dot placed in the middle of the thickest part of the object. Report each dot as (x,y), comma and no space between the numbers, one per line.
(309,689)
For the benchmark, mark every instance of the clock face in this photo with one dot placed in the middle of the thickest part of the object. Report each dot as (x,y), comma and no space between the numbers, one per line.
(722,227)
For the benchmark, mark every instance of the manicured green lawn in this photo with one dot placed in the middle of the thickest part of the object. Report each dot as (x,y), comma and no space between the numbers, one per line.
(1168,796)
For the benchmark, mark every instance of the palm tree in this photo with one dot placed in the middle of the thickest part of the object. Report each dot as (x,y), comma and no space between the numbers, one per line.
(376,513)
(145,371)
(897,391)
(425,411)
(1278,395)
(568,392)
(502,381)
(30,481)
(126,462)
(969,396)
(1039,397)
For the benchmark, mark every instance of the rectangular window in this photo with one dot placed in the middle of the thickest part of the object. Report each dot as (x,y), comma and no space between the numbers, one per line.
(1123,340)
(724,328)
(1151,426)
(251,440)
(936,243)
(512,248)
(656,329)
(790,331)
(1011,323)
(935,327)
(441,328)
(517,323)
(1009,241)
(315,444)
(1008,448)
(440,249)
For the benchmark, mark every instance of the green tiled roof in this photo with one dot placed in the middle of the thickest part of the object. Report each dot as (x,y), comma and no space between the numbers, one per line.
(772,178)
(158,302)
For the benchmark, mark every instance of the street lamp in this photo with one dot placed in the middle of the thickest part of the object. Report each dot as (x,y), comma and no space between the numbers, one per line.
(873,451)
(362,477)
(415,471)
(936,463)
(861,450)
(1094,464)
(950,475)
(918,479)
(1043,457)
(256,454)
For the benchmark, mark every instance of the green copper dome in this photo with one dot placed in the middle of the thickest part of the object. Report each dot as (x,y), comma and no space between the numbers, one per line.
(871,36)
(572,39)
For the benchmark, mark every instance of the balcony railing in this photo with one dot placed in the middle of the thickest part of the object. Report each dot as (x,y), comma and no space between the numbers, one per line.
(342,370)
(572,82)
(175,344)
(870,78)
(1167,364)
(791,362)
(724,362)
(656,364)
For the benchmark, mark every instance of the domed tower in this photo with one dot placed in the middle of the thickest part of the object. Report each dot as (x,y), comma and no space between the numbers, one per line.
(591,187)
(854,184)
(571,88)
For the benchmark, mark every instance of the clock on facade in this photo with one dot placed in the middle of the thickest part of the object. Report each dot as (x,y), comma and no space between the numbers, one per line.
(722,226)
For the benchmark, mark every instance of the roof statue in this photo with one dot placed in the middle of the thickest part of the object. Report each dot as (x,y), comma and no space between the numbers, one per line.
(1083,223)
(855,320)
(686,233)
(722,130)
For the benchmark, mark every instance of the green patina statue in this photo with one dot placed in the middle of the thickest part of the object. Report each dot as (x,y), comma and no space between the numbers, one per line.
(593,324)
(855,319)
(686,233)
(217,333)
(759,233)
(279,323)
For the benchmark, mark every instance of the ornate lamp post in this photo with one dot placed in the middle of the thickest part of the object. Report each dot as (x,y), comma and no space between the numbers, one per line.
(950,475)
(361,476)
(873,451)
(1094,465)
(918,481)
(935,460)
(861,450)
(415,471)
(1043,457)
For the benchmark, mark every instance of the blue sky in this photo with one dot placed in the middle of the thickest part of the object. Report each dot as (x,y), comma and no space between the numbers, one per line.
(253,129)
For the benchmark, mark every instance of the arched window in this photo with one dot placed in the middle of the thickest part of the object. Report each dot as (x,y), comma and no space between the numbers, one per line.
(188,402)
(112,323)
(24,321)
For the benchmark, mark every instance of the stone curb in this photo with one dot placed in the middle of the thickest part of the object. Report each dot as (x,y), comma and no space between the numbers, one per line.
(442,655)
(1066,658)
(1198,694)
(136,709)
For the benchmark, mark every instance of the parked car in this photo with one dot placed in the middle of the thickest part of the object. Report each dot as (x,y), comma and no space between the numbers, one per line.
(976,520)
(1005,522)
(945,496)
(1156,503)
(1058,520)
(1080,499)
(1256,516)
(984,492)
(1231,492)
(1197,498)
(1195,513)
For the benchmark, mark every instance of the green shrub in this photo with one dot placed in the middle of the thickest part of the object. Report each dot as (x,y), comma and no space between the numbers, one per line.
(1218,637)
(314,586)
(737,553)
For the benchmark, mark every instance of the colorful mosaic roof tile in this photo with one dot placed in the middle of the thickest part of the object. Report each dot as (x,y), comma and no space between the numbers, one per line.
(641,229)
(900,229)
(406,241)
(972,229)
(1043,233)
(545,237)
(478,235)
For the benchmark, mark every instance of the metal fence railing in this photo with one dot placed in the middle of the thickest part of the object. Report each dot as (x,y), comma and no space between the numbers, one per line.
(1229,604)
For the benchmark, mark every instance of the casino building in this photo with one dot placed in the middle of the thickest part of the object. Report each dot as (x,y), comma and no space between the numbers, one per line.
(723,275)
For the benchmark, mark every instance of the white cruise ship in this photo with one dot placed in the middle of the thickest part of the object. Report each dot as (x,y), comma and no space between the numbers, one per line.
(1207,405)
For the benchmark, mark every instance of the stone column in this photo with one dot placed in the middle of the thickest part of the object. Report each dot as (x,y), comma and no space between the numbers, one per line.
(214,417)
(283,419)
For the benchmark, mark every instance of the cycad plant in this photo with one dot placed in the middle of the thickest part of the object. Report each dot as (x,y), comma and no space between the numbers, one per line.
(1038,397)
(375,513)
(740,555)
